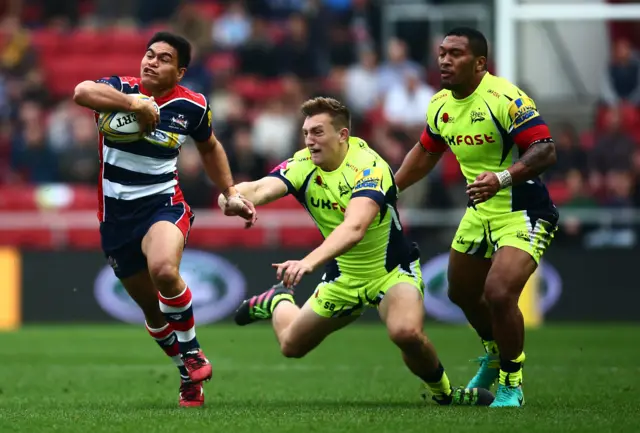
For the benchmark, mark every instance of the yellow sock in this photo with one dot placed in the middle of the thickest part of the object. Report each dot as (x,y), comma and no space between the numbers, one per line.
(490,347)
(511,371)
(441,388)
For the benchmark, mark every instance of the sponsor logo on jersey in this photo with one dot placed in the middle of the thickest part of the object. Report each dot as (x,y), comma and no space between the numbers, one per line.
(438,305)
(493,93)
(445,118)
(477,116)
(352,167)
(370,178)
(320,182)
(217,288)
(320,203)
(469,140)
(521,111)
(439,96)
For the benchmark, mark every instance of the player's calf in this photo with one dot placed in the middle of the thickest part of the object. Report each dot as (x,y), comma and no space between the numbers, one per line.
(261,307)
(168,342)
(178,312)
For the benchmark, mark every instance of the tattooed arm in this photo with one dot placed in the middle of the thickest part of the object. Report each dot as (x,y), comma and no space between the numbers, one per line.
(539,157)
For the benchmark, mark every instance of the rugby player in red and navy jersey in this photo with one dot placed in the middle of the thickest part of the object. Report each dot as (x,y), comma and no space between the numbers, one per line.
(144,219)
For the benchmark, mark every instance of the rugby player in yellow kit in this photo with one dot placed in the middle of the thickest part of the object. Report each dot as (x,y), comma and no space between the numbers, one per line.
(503,145)
(349,191)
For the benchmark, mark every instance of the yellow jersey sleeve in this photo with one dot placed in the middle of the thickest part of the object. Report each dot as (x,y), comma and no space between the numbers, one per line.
(430,139)
(294,171)
(519,116)
(374,183)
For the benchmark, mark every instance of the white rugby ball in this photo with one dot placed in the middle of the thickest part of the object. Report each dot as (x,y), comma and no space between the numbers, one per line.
(122,127)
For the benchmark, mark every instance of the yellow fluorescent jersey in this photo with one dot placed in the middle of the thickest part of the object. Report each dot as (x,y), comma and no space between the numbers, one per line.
(326,195)
(488,131)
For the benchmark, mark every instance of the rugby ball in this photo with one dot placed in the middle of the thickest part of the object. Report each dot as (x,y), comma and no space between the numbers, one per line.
(122,127)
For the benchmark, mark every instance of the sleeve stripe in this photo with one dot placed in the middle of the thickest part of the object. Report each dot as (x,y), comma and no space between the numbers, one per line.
(287,182)
(525,137)
(431,142)
(376,196)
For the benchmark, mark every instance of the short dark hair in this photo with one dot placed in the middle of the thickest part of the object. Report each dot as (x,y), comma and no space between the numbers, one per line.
(477,41)
(181,45)
(340,115)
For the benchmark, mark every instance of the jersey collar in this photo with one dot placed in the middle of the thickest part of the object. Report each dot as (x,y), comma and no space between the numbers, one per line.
(163,100)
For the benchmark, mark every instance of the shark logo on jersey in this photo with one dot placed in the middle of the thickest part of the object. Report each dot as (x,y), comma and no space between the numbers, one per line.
(344,190)
(477,116)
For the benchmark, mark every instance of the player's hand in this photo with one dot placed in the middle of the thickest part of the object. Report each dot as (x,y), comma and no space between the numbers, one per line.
(291,271)
(146,113)
(236,205)
(484,187)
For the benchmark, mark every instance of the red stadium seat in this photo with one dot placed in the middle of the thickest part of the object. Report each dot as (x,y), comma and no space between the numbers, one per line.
(226,238)
(17,198)
(222,62)
(300,237)
(31,238)
(84,239)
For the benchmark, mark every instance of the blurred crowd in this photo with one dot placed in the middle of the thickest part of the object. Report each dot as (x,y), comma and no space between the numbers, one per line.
(257,61)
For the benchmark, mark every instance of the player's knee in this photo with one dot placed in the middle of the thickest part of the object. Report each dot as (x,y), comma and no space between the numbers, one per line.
(498,293)
(292,350)
(406,335)
(164,273)
(457,296)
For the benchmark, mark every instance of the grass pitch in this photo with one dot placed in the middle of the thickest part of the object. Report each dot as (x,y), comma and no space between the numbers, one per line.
(94,379)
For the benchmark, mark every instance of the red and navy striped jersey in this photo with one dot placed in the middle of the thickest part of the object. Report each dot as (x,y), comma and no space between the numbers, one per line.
(144,173)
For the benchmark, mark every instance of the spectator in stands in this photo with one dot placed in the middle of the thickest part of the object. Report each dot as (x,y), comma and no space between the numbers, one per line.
(611,152)
(394,70)
(636,175)
(341,47)
(198,190)
(116,13)
(77,163)
(361,84)
(192,25)
(622,80)
(198,77)
(406,101)
(244,163)
(274,131)
(16,54)
(233,27)
(257,56)
(572,157)
(295,54)
(32,157)
(35,89)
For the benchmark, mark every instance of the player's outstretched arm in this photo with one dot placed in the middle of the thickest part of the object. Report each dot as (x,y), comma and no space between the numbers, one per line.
(103,98)
(417,164)
(263,191)
(216,165)
(358,216)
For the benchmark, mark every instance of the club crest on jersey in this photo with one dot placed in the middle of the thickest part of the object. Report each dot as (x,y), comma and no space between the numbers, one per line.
(179,121)
(344,190)
(477,116)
